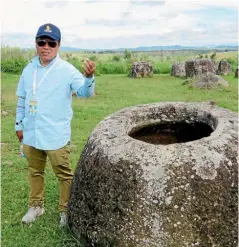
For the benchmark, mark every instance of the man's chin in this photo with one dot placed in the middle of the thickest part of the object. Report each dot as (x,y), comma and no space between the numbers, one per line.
(46,58)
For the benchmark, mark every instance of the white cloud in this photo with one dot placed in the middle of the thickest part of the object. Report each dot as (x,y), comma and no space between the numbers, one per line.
(100,20)
(195,3)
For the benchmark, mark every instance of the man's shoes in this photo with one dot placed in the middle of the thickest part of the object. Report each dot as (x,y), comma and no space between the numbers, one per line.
(32,214)
(63,221)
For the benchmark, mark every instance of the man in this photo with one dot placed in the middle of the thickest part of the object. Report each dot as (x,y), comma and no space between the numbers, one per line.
(43,117)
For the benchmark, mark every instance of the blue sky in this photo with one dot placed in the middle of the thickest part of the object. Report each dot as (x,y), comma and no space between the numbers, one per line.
(93,24)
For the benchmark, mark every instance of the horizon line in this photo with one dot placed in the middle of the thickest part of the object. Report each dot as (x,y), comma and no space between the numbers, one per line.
(141,46)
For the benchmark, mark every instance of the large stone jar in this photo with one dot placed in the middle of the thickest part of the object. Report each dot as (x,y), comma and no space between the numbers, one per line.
(178,69)
(158,175)
(199,67)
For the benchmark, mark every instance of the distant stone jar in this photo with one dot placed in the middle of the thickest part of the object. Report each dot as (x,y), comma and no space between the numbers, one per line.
(178,69)
(141,69)
(236,73)
(224,68)
(158,175)
(199,67)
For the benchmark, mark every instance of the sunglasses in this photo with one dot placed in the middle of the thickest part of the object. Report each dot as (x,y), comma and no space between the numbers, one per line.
(50,43)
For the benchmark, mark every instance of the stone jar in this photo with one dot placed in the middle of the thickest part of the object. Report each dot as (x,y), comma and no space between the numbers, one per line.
(224,68)
(178,69)
(141,69)
(236,73)
(158,175)
(199,67)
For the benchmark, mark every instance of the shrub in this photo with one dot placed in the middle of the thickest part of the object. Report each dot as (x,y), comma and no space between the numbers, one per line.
(144,57)
(93,58)
(13,59)
(98,68)
(213,56)
(156,71)
(116,58)
(14,65)
(127,54)
(162,67)
(68,56)
(165,68)
(113,68)
(233,62)
(76,62)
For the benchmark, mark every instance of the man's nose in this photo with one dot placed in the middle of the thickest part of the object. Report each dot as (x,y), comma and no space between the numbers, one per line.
(46,45)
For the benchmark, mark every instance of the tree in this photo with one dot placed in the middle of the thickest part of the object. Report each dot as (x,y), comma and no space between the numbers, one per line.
(116,58)
(213,56)
(127,54)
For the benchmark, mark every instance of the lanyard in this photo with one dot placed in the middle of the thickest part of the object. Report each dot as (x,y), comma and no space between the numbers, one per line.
(34,84)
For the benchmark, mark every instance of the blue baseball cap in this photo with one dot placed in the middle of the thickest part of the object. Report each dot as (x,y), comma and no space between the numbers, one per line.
(49,30)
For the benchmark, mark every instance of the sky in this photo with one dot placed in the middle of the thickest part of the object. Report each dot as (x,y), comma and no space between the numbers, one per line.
(110,24)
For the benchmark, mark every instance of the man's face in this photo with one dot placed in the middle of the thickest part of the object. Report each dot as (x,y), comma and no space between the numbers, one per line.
(47,48)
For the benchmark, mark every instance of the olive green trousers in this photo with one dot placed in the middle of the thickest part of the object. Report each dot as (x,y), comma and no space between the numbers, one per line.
(60,161)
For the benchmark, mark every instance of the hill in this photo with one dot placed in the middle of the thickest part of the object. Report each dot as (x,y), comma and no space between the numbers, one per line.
(157,48)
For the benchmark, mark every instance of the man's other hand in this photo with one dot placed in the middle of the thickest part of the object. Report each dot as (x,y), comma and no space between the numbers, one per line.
(19,134)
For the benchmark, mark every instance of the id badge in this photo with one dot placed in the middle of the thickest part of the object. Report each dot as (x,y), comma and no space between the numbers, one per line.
(33,106)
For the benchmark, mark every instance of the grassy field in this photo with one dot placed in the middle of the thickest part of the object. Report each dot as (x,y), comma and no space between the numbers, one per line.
(113,92)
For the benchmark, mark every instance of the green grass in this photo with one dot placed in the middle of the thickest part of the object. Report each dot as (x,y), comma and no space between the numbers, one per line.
(113,92)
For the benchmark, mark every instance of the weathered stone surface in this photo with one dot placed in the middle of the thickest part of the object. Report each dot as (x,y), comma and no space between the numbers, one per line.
(209,81)
(224,68)
(129,193)
(199,67)
(236,73)
(178,69)
(141,69)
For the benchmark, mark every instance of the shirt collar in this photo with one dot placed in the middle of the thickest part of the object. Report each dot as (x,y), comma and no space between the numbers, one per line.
(36,60)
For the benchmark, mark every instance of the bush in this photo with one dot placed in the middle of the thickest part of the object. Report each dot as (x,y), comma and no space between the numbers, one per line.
(116,58)
(76,62)
(162,67)
(13,59)
(98,67)
(93,58)
(165,69)
(14,65)
(112,68)
(233,63)
(156,71)
(127,54)
(213,56)
(200,56)
(144,58)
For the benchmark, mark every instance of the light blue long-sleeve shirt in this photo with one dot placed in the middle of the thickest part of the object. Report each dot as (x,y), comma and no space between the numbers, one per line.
(50,127)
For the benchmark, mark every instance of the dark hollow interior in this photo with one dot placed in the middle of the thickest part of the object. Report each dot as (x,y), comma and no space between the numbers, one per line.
(172,133)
